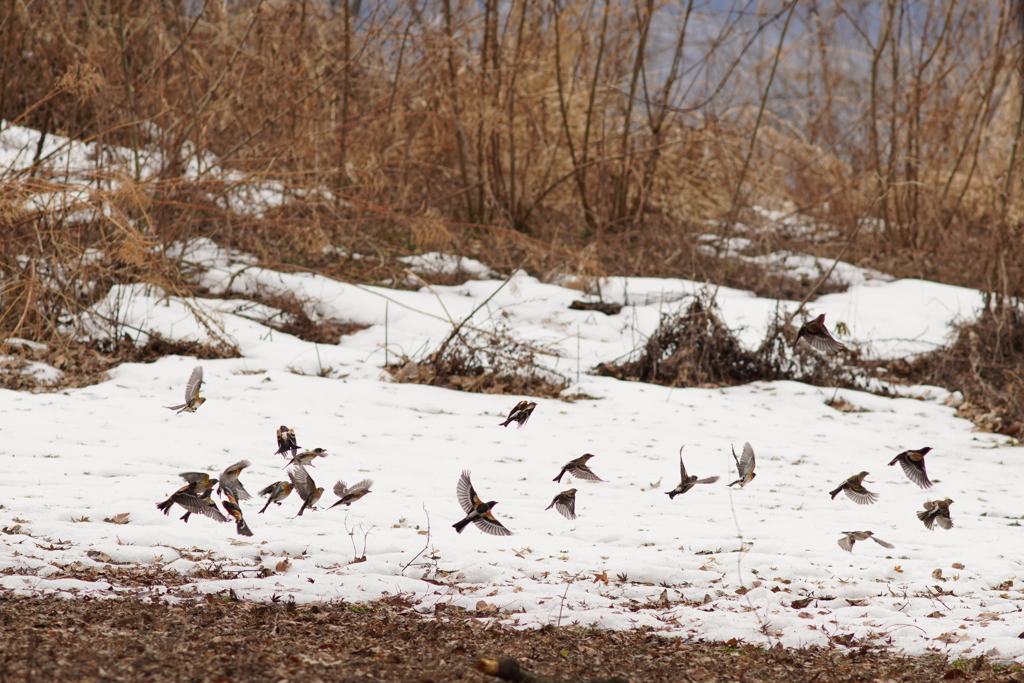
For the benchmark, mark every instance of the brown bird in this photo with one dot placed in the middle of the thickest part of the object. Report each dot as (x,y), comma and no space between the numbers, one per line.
(194,497)
(231,506)
(854,491)
(349,495)
(477,511)
(578,468)
(307,489)
(229,484)
(565,503)
(307,457)
(199,482)
(275,493)
(687,482)
(936,512)
(818,336)
(851,537)
(192,398)
(912,463)
(521,413)
(744,466)
(286,442)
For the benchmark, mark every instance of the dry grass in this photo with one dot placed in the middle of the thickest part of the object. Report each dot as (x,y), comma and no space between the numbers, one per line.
(219,638)
(567,139)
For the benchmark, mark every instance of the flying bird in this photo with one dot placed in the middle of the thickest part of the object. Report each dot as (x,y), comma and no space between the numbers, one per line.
(231,506)
(229,484)
(744,466)
(349,495)
(912,463)
(578,468)
(192,398)
(307,489)
(565,503)
(521,413)
(275,493)
(687,482)
(936,512)
(851,537)
(286,442)
(818,336)
(476,510)
(307,457)
(855,491)
(194,497)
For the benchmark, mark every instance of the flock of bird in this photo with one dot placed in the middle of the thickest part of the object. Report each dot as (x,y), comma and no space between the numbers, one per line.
(196,497)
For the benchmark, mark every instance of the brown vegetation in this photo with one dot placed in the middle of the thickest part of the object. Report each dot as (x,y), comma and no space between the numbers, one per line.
(219,638)
(564,138)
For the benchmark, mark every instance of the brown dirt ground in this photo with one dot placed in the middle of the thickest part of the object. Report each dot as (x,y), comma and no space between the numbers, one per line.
(219,639)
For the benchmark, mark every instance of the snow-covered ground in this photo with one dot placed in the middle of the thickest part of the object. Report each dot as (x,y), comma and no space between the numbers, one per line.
(631,558)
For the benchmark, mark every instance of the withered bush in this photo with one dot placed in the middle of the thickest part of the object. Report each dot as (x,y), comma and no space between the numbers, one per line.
(695,349)
(489,361)
(986,363)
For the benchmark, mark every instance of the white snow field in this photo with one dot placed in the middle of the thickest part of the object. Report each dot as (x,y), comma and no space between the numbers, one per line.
(632,558)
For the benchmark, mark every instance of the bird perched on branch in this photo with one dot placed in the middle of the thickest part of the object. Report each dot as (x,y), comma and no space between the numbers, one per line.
(855,491)
(579,469)
(936,512)
(912,463)
(229,483)
(306,488)
(817,335)
(349,495)
(565,503)
(192,398)
(286,442)
(687,482)
(744,465)
(851,537)
(521,413)
(275,493)
(477,511)
(231,506)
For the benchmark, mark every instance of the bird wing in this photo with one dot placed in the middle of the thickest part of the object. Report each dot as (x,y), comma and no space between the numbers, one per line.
(240,465)
(302,482)
(492,526)
(862,497)
(364,485)
(465,493)
(846,543)
(928,519)
(914,469)
(682,467)
(708,480)
(882,543)
(193,477)
(269,491)
(340,489)
(746,462)
(566,508)
(824,341)
(944,521)
(583,472)
(199,505)
(195,382)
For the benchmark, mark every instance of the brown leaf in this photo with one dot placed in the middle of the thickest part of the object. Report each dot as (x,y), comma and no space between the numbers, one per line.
(283,566)
(121,518)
